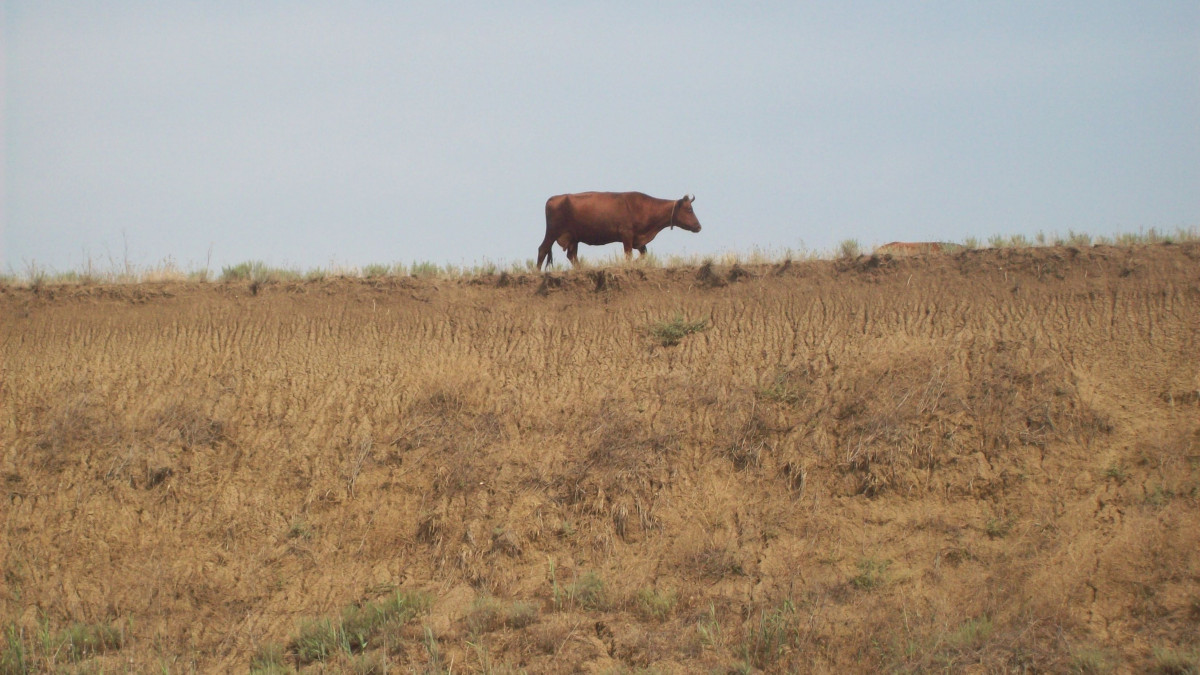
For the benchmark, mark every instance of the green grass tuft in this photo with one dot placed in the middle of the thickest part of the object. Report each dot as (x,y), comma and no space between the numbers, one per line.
(655,604)
(768,639)
(872,573)
(359,627)
(81,640)
(669,333)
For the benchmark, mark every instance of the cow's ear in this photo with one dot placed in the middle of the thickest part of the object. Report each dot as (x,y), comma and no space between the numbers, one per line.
(690,198)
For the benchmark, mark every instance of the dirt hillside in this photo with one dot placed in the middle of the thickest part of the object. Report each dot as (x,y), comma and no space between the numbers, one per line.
(979,461)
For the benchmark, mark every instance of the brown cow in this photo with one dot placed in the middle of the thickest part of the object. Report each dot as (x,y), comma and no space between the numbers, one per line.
(598,218)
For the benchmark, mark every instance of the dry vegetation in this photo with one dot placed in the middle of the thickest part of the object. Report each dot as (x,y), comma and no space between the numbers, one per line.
(980,461)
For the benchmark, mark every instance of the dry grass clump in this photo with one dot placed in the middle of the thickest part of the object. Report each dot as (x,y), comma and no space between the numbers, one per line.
(1031,399)
(184,422)
(62,427)
(712,561)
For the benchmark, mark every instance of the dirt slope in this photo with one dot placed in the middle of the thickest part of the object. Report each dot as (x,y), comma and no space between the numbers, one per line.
(983,461)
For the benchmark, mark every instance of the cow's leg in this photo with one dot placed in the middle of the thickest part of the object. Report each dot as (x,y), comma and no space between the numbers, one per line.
(628,244)
(641,252)
(546,252)
(573,253)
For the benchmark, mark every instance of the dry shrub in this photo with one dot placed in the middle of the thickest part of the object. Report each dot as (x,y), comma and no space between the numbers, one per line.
(748,446)
(894,419)
(549,283)
(793,387)
(182,421)
(711,561)
(603,280)
(74,423)
(707,277)
(620,476)
(430,530)
(737,273)
(1029,397)
(454,423)
(506,542)
(551,636)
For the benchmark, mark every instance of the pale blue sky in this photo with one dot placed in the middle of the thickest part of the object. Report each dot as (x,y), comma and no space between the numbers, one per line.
(304,133)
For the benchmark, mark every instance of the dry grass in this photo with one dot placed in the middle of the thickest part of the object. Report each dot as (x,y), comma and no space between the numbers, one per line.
(984,460)
(257,272)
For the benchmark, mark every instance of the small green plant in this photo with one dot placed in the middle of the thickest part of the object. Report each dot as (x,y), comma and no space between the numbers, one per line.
(256,271)
(434,651)
(316,640)
(998,528)
(485,269)
(520,614)
(770,636)
(424,269)
(971,243)
(588,592)
(1160,496)
(648,260)
(14,659)
(270,659)
(849,248)
(358,627)
(394,610)
(566,529)
(670,333)
(655,604)
(556,592)
(1091,661)
(1117,473)
(971,634)
(376,270)
(872,573)
(240,272)
(489,614)
(1171,661)
(81,640)
(1078,239)
(708,628)
(780,389)
(299,529)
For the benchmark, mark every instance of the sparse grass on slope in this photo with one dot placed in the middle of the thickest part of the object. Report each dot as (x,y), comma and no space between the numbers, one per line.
(939,463)
(124,272)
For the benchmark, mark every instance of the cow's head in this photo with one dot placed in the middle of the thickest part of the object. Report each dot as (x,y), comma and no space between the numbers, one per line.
(684,216)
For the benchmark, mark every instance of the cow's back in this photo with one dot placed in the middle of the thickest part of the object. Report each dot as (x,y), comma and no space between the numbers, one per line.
(593,218)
